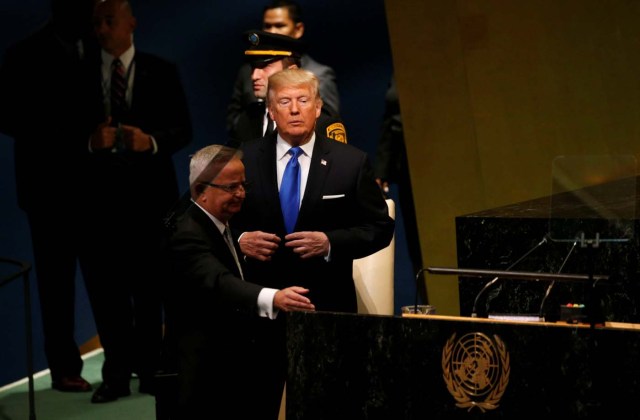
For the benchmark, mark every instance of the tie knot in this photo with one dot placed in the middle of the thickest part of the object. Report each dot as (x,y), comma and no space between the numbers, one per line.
(118,67)
(295,152)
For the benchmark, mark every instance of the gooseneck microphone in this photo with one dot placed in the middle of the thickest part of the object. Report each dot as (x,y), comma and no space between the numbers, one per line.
(474,313)
(415,305)
(553,282)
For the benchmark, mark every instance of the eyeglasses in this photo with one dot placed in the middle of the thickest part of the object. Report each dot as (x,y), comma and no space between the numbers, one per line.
(230,188)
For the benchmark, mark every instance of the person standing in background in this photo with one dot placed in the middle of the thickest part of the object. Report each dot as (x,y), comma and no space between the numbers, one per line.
(138,119)
(314,207)
(283,17)
(40,106)
(268,54)
(392,167)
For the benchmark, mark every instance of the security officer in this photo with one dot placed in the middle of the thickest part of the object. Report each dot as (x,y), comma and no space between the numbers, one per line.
(269,53)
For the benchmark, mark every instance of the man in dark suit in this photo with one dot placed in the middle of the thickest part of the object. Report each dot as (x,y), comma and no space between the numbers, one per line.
(342,213)
(138,120)
(39,107)
(392,166)
(214,316)
(267,54)
(284,17)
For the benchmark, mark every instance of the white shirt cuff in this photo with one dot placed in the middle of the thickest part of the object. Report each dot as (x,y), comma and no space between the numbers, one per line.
(265,303)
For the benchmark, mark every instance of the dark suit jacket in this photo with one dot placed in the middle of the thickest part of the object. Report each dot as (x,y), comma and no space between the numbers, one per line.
(211,322)
(41,108)
(341,199)
(206,282)
(144,184)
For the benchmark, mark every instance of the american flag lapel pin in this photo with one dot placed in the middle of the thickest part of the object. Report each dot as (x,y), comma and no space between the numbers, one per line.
(323,162)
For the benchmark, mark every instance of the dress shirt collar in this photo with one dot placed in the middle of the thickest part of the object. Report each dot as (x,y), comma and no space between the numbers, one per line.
(126,58)
(282,147)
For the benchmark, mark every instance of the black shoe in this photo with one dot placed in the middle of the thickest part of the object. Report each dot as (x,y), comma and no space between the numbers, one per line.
(71,384)
(107,393)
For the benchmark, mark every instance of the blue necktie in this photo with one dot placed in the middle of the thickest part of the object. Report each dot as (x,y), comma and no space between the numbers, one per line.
(290,190)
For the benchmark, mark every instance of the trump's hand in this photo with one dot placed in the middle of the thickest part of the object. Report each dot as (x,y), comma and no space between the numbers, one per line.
(308,244)
(259,245)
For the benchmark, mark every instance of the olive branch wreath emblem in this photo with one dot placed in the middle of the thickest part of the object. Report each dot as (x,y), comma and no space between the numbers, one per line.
(481,365)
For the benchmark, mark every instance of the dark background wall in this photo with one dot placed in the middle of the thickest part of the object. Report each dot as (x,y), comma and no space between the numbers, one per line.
(204,39)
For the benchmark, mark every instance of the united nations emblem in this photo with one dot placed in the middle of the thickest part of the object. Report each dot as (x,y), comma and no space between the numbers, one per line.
(476,370)
(337,132)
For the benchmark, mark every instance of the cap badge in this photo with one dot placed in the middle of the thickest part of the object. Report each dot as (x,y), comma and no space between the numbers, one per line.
(254,39)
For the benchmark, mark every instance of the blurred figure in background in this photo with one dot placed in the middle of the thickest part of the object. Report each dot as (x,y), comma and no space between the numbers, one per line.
(392,167)
(283,17)
(138,120)
(268,54)
(40,106)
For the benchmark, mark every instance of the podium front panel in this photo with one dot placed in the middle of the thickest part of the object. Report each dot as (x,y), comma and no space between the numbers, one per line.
(346,366)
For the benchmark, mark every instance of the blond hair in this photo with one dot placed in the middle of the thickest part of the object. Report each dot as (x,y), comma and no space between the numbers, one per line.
(294,78)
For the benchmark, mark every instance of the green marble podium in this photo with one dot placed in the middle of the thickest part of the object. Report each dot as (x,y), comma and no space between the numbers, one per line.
(348,366)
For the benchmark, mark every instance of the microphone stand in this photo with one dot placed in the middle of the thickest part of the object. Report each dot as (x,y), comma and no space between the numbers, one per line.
(594,314)
(474,313)
(418,274)
(553,282)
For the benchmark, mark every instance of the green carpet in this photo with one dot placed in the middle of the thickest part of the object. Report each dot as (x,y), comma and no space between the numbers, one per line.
(55,405)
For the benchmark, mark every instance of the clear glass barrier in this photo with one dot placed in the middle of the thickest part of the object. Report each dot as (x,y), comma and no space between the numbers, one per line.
(593,198)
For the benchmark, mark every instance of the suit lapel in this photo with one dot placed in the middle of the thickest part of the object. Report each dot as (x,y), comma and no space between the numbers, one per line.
(318,171)
(140,82)
(219,245)
(269,177)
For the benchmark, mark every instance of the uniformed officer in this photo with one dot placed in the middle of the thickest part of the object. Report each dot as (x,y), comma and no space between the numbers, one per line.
(269,53)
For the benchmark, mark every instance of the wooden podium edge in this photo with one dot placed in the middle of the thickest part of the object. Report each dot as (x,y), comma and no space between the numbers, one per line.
(495,321)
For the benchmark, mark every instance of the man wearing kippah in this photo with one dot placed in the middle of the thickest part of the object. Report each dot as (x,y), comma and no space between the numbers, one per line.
(269,53)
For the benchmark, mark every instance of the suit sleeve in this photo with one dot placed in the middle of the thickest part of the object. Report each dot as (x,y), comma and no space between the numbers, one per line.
(198,273)
(329,90)
(238,101)
(373,227)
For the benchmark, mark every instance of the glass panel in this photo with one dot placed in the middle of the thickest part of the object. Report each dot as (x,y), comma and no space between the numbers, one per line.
(593,198)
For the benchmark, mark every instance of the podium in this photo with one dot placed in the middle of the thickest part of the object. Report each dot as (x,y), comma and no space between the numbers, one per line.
(495,238)
(348,366)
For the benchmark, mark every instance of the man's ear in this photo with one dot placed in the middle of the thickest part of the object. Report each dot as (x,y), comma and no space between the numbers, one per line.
(298,30)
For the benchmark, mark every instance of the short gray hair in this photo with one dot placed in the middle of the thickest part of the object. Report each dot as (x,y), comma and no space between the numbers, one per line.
(207,163)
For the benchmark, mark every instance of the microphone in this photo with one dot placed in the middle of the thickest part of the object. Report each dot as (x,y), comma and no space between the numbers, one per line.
(415,305)
(474,313)
(553,282)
